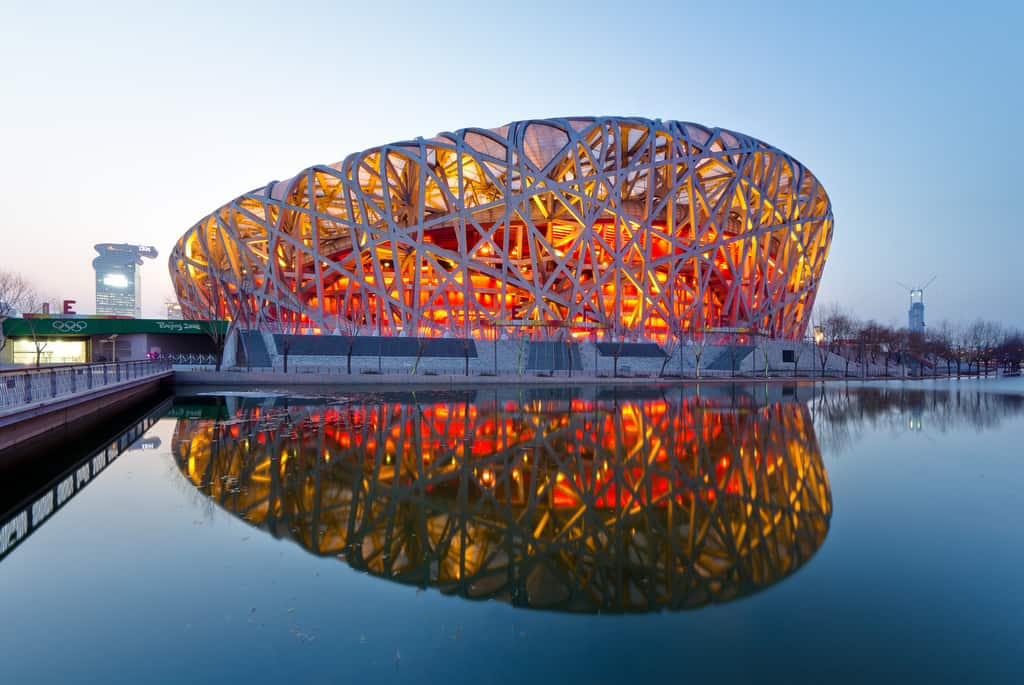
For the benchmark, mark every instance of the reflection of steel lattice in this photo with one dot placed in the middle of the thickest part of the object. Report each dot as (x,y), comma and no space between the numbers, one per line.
(575,506)
(646,227)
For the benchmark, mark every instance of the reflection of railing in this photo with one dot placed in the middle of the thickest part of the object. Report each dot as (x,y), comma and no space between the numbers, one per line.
(20,388)
(24,518)
(574,505)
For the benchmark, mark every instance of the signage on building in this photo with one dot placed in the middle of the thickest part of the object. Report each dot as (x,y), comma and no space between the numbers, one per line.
(82,326)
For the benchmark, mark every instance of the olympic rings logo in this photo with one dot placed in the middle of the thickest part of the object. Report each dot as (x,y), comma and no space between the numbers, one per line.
(69,326)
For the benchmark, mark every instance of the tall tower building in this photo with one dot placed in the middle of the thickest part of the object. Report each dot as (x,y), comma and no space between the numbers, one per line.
(118,282)
(915,317)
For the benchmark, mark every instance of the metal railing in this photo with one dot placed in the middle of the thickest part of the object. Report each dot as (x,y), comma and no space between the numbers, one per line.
(191,359)
(19,388)
(294,369)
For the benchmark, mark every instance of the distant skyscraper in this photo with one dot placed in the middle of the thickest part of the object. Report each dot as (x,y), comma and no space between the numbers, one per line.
(118,282)
(915,317)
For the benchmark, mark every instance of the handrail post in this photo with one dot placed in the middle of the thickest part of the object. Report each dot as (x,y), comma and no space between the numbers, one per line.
(28,387)
(74,380)
(104,374)
(53,383)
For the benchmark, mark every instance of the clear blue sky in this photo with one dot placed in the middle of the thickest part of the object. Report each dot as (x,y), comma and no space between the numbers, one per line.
(128,122)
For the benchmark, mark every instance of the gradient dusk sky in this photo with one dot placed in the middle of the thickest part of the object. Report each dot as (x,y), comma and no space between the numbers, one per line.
(129,122)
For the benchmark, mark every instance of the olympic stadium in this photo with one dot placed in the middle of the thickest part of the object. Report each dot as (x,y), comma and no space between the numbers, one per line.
(584,228)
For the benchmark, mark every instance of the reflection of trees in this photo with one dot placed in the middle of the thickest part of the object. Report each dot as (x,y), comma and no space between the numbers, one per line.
(842,414)
(567,504)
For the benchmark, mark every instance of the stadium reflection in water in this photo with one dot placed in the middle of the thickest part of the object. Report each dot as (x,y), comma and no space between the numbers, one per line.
(597,503)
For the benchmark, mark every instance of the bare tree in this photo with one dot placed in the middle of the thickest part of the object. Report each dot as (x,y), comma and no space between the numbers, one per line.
(764,352)
(218,335)
(892,344)
(16,295)
(833,328)
(843,332)
(977,339)
(872,337)
(1010,352)
(673,344)
(992,337)
(899,339)
(697,344)
(733,350)
(36,303)
(928,353)
(943,339)
(38,341)
(961,347)
(211,323)
(351,327)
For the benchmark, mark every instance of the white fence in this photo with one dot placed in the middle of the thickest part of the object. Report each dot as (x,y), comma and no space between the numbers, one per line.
(20,388)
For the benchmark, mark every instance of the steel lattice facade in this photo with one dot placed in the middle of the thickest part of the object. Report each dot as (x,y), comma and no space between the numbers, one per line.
(625,228)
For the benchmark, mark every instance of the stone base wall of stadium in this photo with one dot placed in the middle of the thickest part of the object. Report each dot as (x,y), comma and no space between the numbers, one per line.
(510,358)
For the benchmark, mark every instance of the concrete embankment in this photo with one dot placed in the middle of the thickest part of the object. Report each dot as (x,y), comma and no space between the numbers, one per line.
(65,415)
(369,381)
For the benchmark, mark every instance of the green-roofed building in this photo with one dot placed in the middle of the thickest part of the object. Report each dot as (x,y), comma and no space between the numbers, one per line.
(81,339)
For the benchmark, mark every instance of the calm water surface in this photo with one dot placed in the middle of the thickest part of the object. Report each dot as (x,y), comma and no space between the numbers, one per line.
(602,535)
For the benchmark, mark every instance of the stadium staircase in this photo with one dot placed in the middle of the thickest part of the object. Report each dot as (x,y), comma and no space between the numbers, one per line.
(731,358)
(252,350)
(553,356)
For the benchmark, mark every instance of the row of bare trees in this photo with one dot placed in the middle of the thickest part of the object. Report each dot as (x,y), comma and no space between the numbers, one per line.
(981,347)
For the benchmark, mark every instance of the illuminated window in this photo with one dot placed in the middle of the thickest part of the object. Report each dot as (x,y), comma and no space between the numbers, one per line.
(51,351)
